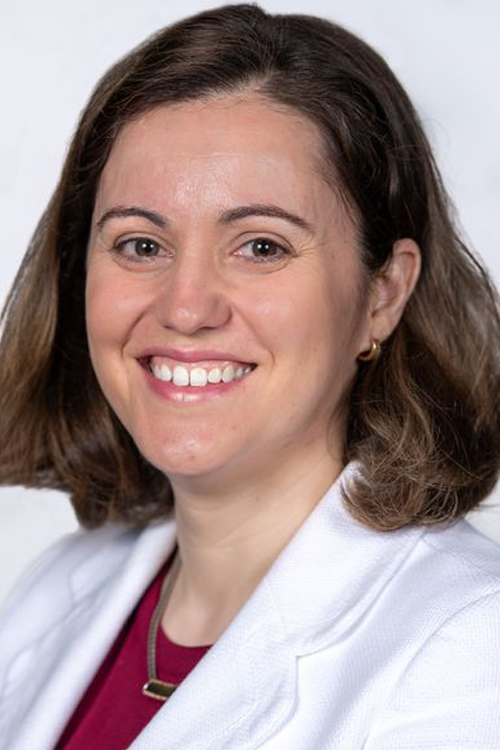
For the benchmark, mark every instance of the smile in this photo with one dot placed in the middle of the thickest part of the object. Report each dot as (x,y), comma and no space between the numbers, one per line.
(199,375)
(203,374)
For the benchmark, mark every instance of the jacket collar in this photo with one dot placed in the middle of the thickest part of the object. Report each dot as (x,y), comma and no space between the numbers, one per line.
(94,580)
(320,585)
(245,687)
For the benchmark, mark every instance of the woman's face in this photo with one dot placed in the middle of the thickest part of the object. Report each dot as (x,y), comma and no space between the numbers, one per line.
(217,249)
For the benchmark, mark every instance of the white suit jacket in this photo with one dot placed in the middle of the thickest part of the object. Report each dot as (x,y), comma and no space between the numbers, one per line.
(354,640)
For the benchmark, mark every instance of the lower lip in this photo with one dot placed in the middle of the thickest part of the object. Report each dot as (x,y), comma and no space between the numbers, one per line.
(190,394)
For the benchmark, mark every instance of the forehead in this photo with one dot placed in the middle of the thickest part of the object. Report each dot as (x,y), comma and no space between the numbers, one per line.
(223,150)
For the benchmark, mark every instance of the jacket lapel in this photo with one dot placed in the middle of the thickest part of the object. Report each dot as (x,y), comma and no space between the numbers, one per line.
(94,580)
(242,690)
(246,687)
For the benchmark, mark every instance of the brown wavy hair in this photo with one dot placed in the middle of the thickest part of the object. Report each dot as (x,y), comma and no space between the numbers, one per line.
(423,419)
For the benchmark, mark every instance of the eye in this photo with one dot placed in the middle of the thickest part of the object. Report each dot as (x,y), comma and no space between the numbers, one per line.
(263,250)
(138,248)
(141,247)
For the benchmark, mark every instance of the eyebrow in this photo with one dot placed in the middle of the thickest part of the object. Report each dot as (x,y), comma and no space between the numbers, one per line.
(227,217)
(259,209)
(123,212)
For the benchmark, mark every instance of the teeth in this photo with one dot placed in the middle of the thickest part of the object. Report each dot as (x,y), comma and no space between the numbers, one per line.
(198,376)
(166,373)
(228,374)
(181,376)
(162,372)
(215,375)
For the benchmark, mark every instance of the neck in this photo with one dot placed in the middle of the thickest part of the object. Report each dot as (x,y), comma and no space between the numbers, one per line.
(228,541)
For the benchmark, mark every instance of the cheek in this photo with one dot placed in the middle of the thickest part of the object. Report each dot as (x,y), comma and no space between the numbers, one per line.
(310,316)
(103,325)
(112,307)
(110,313)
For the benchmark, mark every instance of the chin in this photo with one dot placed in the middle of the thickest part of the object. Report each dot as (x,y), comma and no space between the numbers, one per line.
(189,457)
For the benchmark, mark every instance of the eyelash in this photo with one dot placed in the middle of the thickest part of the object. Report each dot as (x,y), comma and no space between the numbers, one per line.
(119,249)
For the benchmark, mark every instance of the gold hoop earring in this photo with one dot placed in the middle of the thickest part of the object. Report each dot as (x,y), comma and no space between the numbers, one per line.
(371,354)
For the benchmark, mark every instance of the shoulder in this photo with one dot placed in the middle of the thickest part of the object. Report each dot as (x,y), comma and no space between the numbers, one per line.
(447,571)
(463,578)
(447,694)
(90,556)
(445,690)
(77,567)
(465,563)
(465,549)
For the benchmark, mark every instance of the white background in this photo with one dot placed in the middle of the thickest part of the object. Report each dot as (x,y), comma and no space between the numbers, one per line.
(445,52)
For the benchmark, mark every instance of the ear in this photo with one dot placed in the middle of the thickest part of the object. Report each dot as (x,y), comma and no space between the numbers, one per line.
(391,288)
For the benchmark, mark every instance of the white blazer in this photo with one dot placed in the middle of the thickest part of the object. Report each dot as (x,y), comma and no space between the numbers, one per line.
(354,640)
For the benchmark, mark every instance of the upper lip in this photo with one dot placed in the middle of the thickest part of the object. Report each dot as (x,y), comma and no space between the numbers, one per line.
(192,355)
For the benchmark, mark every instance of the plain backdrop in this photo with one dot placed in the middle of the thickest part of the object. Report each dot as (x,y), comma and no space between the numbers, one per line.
(445,52)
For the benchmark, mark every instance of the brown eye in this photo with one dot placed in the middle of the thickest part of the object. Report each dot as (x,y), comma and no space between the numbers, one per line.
(144,247)
(138,249)
(263,249)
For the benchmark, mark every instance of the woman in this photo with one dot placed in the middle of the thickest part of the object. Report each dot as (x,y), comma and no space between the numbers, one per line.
(250,345)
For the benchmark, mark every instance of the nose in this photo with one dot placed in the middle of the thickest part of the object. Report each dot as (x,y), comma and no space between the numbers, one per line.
(192,296)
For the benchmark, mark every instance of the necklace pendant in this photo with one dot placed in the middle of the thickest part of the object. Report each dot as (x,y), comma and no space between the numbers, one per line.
(157,689)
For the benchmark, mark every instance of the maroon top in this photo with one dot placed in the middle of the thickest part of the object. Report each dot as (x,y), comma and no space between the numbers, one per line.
(113,711)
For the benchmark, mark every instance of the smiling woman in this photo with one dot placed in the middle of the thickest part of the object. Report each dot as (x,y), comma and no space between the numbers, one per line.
(250,345)
(244,285)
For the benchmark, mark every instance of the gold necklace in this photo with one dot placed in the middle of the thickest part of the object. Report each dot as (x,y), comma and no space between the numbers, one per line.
(155,688)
